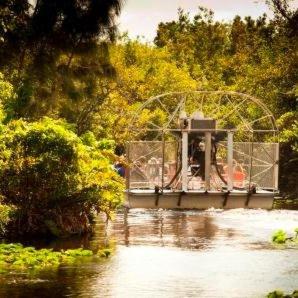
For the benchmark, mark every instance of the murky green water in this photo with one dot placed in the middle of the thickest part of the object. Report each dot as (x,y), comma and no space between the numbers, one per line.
(174,254)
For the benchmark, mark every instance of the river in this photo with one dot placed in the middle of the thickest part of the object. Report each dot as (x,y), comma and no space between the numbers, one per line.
(166,253)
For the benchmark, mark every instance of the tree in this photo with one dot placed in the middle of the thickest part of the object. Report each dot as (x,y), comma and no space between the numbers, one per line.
(45,27)
(284,14)
(45,47)
(142,71)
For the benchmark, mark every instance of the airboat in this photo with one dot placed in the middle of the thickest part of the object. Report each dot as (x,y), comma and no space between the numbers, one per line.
(202,149)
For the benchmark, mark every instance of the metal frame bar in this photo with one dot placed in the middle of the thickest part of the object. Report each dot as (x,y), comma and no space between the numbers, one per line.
(276,167)
(257,101)
(251,160)
(127,174)
(184,170)
(230,161)
(207,160)
(205,130)
(163,162)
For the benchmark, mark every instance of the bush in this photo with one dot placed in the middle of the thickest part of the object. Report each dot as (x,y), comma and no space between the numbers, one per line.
(55,180)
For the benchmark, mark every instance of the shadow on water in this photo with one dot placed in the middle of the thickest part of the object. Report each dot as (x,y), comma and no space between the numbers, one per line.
(166,228)
(169,253)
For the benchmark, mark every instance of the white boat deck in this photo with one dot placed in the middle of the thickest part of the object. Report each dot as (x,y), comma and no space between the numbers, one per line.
(198,191)
(199,199)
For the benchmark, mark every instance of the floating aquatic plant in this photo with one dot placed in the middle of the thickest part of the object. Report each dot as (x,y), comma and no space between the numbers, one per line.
(281,237)
(105,252)
(15,256)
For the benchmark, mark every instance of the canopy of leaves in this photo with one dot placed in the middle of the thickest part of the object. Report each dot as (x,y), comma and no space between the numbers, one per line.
(247,55)
(142,71)
(45,49)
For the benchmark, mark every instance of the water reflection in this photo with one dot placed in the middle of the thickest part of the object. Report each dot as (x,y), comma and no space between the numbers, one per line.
(164,228)
(162,253)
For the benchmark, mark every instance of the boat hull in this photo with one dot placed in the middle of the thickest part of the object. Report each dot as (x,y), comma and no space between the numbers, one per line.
(199,200)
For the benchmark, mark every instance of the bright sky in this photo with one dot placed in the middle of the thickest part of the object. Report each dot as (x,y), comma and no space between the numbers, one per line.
(141,17)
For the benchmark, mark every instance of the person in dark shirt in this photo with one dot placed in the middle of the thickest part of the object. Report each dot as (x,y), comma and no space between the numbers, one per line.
(192,147)
(198,159)
(119,168)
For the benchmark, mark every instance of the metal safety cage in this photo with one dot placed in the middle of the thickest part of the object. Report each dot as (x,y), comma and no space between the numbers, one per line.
(153,164)
(231,165)
(253,165)
(237,131)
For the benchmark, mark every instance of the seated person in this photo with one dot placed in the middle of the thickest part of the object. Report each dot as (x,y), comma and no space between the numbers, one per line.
(119,168)
(198,160)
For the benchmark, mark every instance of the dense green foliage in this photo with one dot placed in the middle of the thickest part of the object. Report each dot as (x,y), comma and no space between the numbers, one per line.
(55,53)
(53,179)
(15,256)
(142,71)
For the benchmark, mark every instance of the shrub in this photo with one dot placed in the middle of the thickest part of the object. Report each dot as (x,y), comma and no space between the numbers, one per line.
(56,182)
